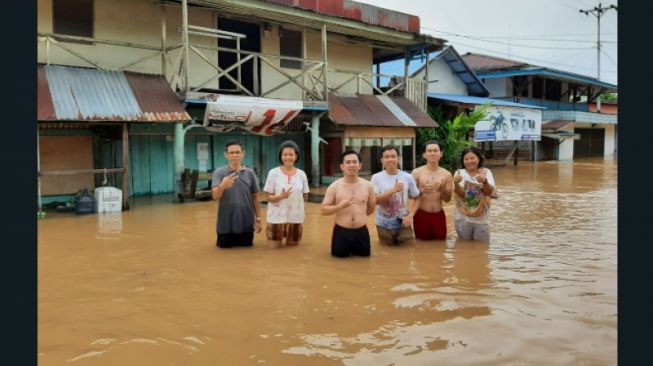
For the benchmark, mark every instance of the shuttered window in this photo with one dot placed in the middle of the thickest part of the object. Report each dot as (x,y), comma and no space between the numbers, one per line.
(73,18)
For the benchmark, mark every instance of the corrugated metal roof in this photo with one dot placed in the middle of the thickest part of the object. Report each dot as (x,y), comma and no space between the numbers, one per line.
(474,85)
(355,10)
(468,99)
(81,94)
(490,67)
(481,63)
(377,111)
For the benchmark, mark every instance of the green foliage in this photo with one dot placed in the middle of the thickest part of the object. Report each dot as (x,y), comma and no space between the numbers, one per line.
(452,134)
(610,97)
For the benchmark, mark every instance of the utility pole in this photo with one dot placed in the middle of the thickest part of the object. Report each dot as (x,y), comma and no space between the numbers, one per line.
(598,12)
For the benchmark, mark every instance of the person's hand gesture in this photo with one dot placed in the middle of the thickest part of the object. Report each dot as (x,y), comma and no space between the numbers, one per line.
(285,193)
(481,176)
(399,186)
(457,179)
(428,187)
(228,181)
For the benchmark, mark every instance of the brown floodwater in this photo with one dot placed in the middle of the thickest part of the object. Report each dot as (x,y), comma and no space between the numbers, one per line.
(149,287)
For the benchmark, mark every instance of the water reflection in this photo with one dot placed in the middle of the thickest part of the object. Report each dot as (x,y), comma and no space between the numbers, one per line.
(148,286)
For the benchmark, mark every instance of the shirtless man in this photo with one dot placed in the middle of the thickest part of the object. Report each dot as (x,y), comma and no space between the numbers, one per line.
(435,185)
(351,199)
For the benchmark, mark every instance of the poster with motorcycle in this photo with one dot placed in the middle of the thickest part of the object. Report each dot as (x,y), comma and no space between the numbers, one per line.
(509,124)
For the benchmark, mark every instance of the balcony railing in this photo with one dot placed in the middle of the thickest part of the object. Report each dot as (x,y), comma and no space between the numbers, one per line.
(550,104)
(314,79)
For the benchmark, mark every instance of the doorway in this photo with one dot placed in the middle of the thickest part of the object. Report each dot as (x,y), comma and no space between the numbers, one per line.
(226,59)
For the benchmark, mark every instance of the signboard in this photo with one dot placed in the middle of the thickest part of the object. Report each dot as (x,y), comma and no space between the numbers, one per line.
(260,116)
(510,124)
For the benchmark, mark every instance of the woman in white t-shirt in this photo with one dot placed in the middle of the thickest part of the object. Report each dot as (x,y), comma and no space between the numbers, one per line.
(287,189)
(475,188)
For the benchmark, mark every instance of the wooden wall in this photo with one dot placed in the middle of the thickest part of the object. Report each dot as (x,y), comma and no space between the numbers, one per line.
(66,153)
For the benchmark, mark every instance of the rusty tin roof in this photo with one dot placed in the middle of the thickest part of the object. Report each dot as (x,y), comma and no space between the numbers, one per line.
(377,111)
(82,94)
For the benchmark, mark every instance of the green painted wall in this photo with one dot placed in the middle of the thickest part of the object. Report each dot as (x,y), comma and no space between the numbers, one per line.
(151,155)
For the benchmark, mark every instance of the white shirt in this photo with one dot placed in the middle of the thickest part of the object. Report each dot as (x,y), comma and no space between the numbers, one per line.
(291,209)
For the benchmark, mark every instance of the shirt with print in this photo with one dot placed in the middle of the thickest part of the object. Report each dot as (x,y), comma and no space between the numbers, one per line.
(473,195)
(291,209)
(397,205)
(236,207)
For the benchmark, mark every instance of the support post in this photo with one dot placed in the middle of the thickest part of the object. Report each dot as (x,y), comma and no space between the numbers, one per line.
(406,64)
(315,149)
(326,64)
(38,171)
(186,45)
(125,165)
(164,54)
(178,156)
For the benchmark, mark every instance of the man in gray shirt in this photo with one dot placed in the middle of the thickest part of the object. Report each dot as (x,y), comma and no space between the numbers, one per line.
(239,210)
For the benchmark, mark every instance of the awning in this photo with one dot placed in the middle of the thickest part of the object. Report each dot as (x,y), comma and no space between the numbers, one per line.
(562,135)
(552,126)
(82,94)
(377,141)
(377,111)
(468,99)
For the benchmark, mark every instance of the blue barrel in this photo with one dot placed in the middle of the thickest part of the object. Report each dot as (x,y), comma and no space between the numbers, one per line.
(84,203)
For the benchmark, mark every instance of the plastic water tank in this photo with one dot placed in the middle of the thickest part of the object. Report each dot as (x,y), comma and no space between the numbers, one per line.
(108,199)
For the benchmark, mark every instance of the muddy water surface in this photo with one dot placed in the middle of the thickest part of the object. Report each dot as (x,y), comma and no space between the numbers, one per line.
(149,287)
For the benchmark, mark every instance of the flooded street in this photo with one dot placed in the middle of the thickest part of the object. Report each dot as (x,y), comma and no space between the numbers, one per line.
(149,286)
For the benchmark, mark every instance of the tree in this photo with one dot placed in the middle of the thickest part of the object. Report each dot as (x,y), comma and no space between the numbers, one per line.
(610,97)
(452,134)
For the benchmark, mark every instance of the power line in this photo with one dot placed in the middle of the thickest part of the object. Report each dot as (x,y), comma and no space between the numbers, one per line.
(609,58)
(598,12)
(565,4)
(526,38)
(529,58)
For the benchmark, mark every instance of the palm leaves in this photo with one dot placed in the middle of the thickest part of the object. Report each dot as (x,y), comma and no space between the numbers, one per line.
(452,134)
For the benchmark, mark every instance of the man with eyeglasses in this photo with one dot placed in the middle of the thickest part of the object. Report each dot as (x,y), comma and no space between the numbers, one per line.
(239,211)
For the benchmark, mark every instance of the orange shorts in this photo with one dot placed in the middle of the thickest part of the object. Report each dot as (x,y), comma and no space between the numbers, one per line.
(279,231)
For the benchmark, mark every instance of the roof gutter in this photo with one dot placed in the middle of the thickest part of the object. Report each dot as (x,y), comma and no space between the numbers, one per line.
(546,72)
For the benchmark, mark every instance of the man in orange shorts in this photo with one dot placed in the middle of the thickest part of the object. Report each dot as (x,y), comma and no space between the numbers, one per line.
(435,185)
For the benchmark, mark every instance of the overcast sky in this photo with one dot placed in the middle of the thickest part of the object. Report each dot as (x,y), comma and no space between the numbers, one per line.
(548,33)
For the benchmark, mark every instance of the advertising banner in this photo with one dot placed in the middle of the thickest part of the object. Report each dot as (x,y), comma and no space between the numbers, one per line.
(260,116)
(510,124)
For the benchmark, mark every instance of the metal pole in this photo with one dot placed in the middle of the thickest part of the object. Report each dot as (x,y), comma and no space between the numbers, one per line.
(598,11)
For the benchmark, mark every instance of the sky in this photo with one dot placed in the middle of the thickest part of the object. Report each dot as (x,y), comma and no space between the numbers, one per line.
(547,33)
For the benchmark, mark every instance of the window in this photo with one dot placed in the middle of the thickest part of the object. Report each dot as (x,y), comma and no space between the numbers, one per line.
(73,18)
(290,44)
(553,90)
(520,86)
(538,88)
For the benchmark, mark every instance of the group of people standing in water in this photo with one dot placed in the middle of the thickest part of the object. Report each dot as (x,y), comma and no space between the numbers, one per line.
(407,206)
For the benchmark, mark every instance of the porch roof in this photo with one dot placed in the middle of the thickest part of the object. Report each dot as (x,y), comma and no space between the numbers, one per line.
(377,110)
(83,94)
(387,30)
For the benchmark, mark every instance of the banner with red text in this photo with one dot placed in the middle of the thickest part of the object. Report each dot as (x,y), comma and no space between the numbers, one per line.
(260,116)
